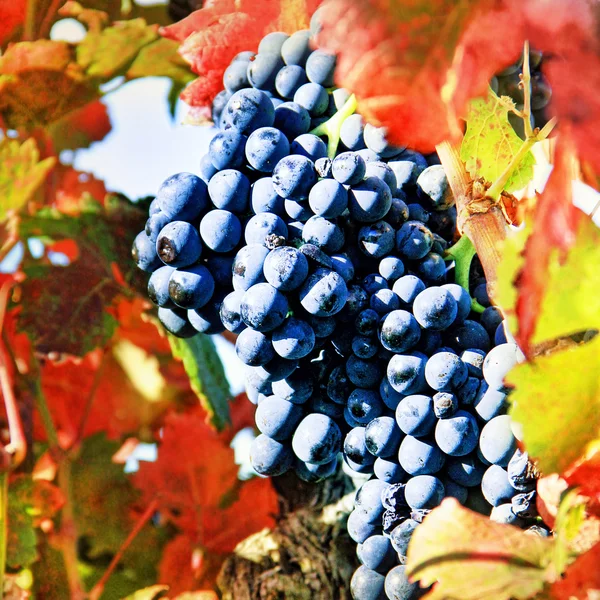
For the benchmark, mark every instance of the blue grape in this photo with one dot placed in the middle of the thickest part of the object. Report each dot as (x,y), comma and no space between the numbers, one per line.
(178,244)
(294,339)
(175,321)
(313,97)
(414,240)
(381,170)
(182,197)
(265,148)
(401,535)
(221,230)
(481,295)
(207,319)
(383,437)
(465,470)
(154,208)
(320,67)
(264,198)
(343,266)
(338,385)
(294,231)
(348,168)
(498,362)
(357,300)
(474,358)
(376,140)
(424,491)
(432,268)
(309,145)
(206,169)
(352,132)
(235,77)
(391,268)
(415,415)
(491,318)
(324,293)
(500,335)
(457,435)
(368,499)
(384,301)
(292,119)
(397,586)
(420,456)
(376,239)
(247,268)
(445,405)
(257,384)
(497,443)
(398,212)
(298,210)
(364,347)
(360,528)
(368,155)
(296,388)
(246,111)
(389,470)
(158,287)
(370,200)
(433,188)
(323,167)
(417,213)
(477,502)
(314,473)
(273,42)
(445,371)
(154,225)
(363,373)
(294,176)
(389,395)
(364,405)
(524,505)
(435,308)
(144,253)
(296,49)
(373,283)
(253,348)
(469,334)
(263,69)
(277,418)
(191,287)
(316,257)
(230,312)
(430,342)
(226,149)
(454,490)
(355,447)
(521,472)
(407,288)
(406,373)
(218,106)
(467,392)
(322,326)
(376,553)
(504,514)
(496,487)
(399,331)
(323,233)
(229,190)
(263,307)
(261,227)
(366,322)
(270,457)
(317,439)
(289,79)
(285,268)
(406,173)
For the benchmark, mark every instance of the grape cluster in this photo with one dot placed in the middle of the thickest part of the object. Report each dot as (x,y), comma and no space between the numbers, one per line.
(331,271)
(508,83)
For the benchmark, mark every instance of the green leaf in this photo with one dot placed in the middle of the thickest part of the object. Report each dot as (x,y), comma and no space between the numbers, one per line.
(490,143)
(502,562)
(556,401)
(109,53)
(150,593)
(21,173)
(207,377)
(21,548)
(160,59)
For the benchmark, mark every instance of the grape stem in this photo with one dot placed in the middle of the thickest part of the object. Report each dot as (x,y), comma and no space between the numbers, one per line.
(331,128)
(462,253)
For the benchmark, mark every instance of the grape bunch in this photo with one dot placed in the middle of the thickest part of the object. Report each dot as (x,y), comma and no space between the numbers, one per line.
(329,267)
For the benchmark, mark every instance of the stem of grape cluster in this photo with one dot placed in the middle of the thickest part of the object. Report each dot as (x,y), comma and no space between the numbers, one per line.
(331,127)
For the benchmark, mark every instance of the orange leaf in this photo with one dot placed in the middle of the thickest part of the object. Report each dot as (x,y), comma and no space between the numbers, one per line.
(585,473)
(581,580)
(213,35)
(195,478)
(12,14)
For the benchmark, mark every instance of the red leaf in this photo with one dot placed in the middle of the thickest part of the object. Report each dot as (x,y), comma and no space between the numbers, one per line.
(204,498)
(581,579)
(12,14)
(586,474)
(555,222)
(213,35)
(70,185)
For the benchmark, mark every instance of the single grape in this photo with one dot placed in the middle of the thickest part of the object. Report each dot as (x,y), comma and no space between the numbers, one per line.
(158,287)
(191,287)
(294,176)
(292,119)
(175,321)
(277,418)
(415,415)
(497,442)
(312,97)
(270,457)
(220,230)
(309,145)
(265,148)
(413,240)
(424,491)
(324,293)
(182,197)
(420,456)
(458,435)
(226,149)
(317,439)
(294,339)
(178,244)
(406,373)
(253,348)
(263,307)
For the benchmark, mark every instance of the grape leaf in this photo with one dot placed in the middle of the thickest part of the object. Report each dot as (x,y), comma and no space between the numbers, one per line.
(80,128)
(150,593)
(213,35)
(559,415)
(502,561)
(581,580)
(21,173)
(585,474)
(108,53)
(12,14)
(490,143)
(207,376)
(160,59)
(204,498)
